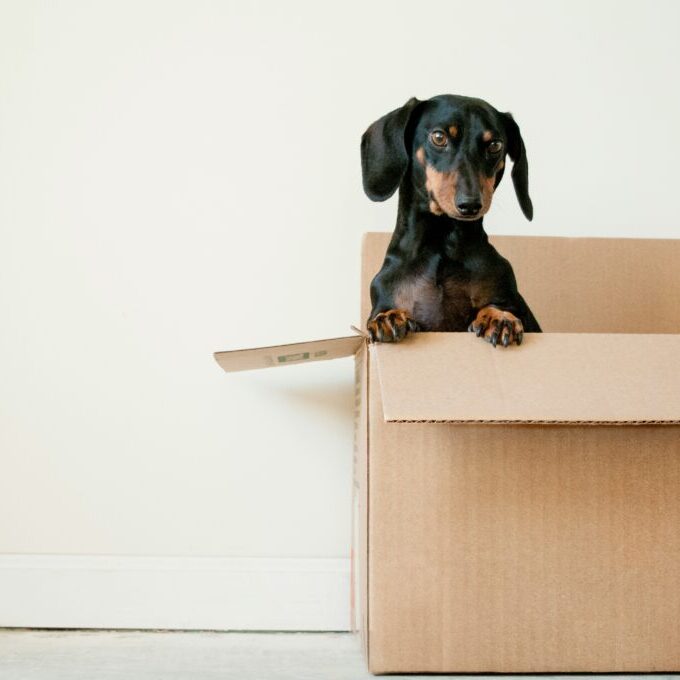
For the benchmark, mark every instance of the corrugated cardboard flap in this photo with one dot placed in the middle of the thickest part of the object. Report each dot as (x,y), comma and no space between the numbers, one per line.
(285,355)
(560,378)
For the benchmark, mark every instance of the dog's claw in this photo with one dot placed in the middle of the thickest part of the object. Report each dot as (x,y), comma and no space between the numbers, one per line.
(496,326)
(506,333)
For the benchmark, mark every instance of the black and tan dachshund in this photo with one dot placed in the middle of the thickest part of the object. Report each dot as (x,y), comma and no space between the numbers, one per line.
(446,155)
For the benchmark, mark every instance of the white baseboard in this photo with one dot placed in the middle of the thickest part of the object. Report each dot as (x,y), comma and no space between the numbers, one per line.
(216,593)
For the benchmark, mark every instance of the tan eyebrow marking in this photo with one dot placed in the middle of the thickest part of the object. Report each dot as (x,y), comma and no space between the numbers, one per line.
(453,131)
(487,136)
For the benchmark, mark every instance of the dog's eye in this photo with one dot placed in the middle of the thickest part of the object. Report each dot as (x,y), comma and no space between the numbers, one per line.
(495,146)
(438,138)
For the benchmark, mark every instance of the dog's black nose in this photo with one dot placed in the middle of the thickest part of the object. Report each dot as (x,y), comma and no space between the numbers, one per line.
(468,206)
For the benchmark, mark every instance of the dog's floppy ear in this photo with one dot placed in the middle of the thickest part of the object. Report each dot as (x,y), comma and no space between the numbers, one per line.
(520,167)
(384,157)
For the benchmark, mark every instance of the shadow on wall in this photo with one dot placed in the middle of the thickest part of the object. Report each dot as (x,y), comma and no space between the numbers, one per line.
(333,400)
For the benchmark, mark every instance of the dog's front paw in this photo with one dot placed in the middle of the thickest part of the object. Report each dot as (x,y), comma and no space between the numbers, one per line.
(390,326)
(495,325)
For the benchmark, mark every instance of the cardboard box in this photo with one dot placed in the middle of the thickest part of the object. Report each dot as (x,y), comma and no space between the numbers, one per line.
(518,510)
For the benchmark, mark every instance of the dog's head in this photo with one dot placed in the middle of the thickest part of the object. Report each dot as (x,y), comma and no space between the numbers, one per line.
(452,148)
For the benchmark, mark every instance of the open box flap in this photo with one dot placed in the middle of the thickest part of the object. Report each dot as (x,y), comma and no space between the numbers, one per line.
(285,355)
(551,378)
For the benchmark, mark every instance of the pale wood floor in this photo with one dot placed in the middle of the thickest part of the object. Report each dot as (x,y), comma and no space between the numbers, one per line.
(114,655)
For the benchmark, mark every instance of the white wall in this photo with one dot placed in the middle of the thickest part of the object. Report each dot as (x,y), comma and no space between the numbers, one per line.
(182,177)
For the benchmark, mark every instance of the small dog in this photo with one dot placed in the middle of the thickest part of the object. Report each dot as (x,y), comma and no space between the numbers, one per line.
(447,156)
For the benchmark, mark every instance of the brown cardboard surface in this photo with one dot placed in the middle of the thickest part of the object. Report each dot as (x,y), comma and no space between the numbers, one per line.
(510,548)
(285,355)
(550,378)
(580,285)
(359,552)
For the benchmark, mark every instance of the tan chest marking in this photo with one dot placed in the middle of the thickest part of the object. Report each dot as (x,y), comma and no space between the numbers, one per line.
(423,299)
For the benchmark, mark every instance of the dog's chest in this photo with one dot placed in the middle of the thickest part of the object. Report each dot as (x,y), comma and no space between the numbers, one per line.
(438,302)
